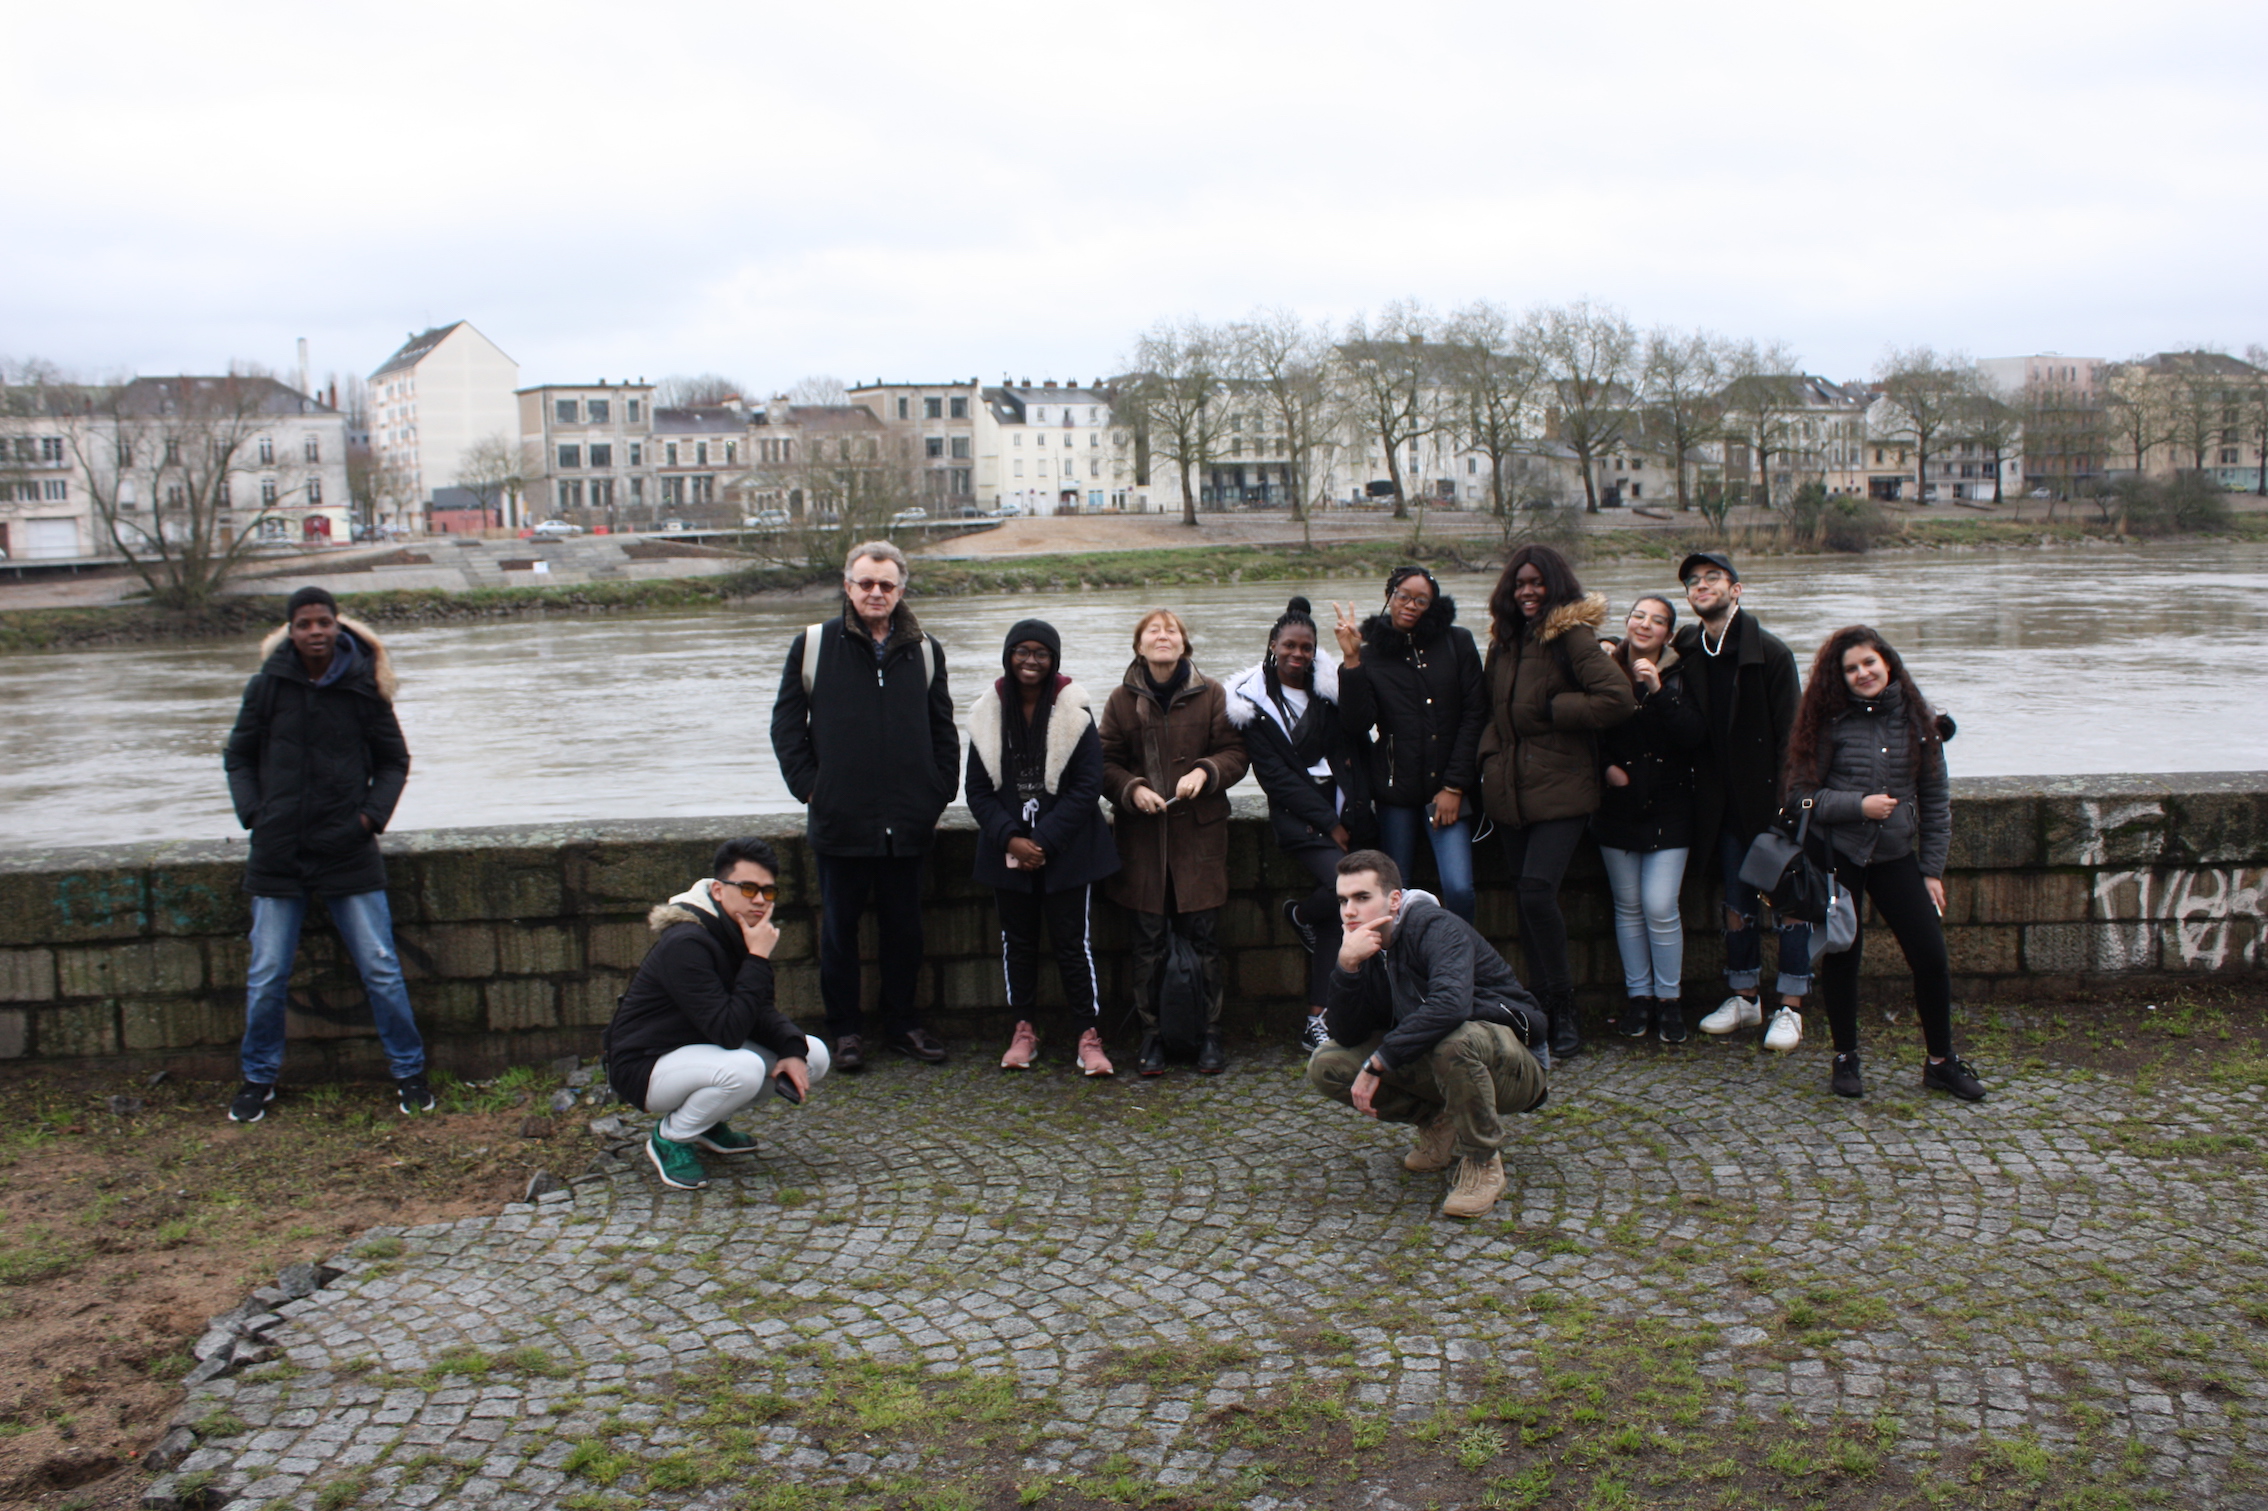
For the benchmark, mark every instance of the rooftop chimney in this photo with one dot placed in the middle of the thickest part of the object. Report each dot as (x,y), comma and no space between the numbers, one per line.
(303,384)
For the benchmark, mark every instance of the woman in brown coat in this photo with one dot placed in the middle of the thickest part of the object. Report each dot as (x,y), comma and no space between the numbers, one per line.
(1169,757)
(1551,689)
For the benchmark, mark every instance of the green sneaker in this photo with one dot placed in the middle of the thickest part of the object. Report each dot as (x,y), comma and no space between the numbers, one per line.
(721,1139)
(676,1163)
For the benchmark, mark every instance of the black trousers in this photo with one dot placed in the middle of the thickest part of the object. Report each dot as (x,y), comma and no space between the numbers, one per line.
(1066,915)
(1319,910)
(846,884)
(1898,894)
(1538,855)
(1150,931)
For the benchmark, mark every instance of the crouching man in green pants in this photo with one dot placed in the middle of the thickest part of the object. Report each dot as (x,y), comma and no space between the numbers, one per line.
(1429,1026)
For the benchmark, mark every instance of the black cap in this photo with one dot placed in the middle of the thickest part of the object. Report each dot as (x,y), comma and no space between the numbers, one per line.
(1717,559)
(1032,629)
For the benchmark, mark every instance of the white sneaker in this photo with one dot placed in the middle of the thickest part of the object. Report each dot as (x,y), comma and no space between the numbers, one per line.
(1735,1012)
(1786,1031)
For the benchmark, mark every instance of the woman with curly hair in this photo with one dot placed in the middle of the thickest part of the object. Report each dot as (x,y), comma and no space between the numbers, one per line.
(1869,753)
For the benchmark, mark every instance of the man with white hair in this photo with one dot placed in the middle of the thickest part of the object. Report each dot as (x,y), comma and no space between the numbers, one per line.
(864,729)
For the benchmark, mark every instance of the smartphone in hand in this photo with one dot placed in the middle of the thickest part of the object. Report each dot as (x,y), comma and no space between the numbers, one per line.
(786,1089)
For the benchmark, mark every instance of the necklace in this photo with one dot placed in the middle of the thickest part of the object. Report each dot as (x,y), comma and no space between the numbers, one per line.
(1711,650)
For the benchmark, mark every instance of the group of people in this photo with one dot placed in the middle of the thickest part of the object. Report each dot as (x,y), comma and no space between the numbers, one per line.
(1654,742)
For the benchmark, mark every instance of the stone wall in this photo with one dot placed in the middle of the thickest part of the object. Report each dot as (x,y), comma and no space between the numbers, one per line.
(517,940)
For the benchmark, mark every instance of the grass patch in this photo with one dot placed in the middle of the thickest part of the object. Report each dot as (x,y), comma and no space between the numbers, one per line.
(35,1255)
(1173,1364)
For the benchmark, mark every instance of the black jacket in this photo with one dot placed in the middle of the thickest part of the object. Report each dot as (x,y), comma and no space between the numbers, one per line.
(1655,748)
(697,985)
(1299,810)
(1435,974)
(872,754)
(1869,748)
(1421,701)
(1736,777)
(306,765)
(1070,825)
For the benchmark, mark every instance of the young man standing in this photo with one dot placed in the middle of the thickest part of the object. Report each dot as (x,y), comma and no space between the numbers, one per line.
(864,730)
(1744,682)
(1429,1026)
(315,765)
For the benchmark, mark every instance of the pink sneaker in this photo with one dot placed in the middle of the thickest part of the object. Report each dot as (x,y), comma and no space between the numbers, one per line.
(1021,1047)
(1092,1061)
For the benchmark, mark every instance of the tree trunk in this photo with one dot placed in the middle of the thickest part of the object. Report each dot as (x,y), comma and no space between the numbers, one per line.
(1590,483)
(1678,462)
(1188,499)
(1394,476)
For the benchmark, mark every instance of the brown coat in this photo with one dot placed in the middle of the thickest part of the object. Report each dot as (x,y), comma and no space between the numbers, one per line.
(1144,743)
(1539,757)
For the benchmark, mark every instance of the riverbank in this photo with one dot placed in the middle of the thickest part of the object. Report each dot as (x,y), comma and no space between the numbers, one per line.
(1203,561)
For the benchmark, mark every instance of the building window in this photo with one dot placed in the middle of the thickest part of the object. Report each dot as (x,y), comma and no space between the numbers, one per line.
(961,478)
(1019,438)
(564,411)
(1472,465)
(314,490)
(267,493)
(905,407)
(267,451)
(933,409)
(1039,416)
(2228,456)
(602,493)
(570,456)
(960,411)
(598,410)
(630,410)
(637,490)
(314,449)
(1094,467)
(172,452)
(933,446)
(700,453)
(732,453)
(1094,414)
(669,454)
(1094,438)
(960,448)
(637,455)
(602,454)
(175,496)
(1019,467)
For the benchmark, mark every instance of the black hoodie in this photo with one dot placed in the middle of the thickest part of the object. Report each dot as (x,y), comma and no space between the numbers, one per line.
(697,985)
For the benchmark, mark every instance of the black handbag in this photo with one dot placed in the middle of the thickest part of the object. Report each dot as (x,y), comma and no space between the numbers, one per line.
(1786,873)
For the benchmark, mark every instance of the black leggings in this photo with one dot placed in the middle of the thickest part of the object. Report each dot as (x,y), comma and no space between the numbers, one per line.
(1537,855)
(1319,910)
(1896,887)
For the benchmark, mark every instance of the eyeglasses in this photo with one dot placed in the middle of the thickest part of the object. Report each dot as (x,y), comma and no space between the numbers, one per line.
(874,584)
(1031,653)
(1718,579)
(1412,600)
(768,890)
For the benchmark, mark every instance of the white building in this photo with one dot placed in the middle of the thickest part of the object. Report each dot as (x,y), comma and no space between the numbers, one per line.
(1046,447)
(430,401)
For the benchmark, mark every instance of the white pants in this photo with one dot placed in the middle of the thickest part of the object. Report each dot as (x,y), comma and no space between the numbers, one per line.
(700,1086)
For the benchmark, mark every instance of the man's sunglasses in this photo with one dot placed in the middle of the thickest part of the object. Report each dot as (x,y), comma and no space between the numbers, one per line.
(768,890)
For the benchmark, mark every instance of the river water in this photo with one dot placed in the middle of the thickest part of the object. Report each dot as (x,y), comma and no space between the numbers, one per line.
(2070,660)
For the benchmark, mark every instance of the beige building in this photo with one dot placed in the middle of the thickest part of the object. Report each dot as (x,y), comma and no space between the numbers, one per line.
(587,452)
(933,428)
(429,402)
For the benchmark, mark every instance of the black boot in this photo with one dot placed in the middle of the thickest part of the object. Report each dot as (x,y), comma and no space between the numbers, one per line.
(1566,1026)
(1210,1060)
(1153,1055)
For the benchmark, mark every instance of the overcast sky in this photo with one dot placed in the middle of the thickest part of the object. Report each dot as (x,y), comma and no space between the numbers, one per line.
(920,192)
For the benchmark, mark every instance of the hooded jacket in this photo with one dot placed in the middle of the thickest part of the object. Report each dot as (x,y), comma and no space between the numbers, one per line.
(871,751)
(1869,748)
(1549,696)
(697,985)
(1069,824)
(1420,701)
(1435,974)
(308,762)
(1299,811)
(1736,777)
(1655,750)
(1142,742)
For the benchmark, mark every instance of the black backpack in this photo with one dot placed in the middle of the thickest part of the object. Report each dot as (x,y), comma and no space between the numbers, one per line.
(1183,999)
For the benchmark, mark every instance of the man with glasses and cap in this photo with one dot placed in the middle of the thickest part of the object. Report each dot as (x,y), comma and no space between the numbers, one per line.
(864,729)
(698,1038)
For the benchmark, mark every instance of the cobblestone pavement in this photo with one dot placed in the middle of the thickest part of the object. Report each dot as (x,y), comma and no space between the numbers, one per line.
(2073,1264)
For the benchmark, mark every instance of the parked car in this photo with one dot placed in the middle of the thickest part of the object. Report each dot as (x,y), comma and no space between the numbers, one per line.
(766,519)
(556,529)
(1010,510)
(675,527)
(913,516)
(2040,493)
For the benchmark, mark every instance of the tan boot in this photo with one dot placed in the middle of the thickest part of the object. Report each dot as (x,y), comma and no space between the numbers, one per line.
(1479,1183)
(1436,1146)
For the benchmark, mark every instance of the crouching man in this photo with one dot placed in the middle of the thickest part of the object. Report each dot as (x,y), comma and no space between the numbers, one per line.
(1429,1026)
(697,1038)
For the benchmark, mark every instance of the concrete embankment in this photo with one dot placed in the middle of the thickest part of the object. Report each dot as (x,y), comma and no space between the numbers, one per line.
(517,940)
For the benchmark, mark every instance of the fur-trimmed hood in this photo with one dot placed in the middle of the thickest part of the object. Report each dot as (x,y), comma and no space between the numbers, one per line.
(1587,612)
(381,664)
(1067,720)
(1248,692)
(693,905)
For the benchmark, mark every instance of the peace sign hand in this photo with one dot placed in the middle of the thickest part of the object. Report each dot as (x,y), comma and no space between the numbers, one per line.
(1349,633)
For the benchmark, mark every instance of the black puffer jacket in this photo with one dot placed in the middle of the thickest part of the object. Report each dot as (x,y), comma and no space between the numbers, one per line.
(1871,748)
(1435,974)
(872,753)
(1420,700)
(1655,749)
(307,764)
(697,985)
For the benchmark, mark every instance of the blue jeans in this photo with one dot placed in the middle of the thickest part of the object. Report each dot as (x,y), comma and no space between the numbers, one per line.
(1744,950)
(1647,928)
(366,925)
(1452,853)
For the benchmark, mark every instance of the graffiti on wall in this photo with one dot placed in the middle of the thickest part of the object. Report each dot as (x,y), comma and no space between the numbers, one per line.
(2202,915)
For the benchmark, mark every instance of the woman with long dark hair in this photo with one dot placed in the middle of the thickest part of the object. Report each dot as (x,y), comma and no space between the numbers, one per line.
(1551,690)
(1644,825)
(1313,770)
(1410,682)
(1868,752)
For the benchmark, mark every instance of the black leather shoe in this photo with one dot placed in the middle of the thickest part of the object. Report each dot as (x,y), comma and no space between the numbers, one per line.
(849,1053)
(920,1044)
(1153,1056)
(1566,1027)
(1210,1060)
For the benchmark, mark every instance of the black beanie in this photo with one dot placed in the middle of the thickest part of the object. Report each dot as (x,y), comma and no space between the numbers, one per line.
(1031,629)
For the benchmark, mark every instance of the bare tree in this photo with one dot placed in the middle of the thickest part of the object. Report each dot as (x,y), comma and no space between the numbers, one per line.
(1393,383)
(1493,375)
(1996,428)
(1931,393)
(840,482)
(1758,407)
(682,391)
(2135,411)
(816,388)
(490,471)
(1176,399)
(1681,384)
(2255,409)
(1590,356)
(1284,364)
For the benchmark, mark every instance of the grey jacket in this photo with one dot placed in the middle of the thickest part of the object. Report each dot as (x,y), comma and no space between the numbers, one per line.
(1867,750)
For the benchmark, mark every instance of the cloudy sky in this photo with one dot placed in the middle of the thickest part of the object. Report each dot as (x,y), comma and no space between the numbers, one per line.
(933,191)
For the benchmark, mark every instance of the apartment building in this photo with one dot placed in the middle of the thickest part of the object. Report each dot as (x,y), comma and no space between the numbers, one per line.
(587,452)
(2195,409)
(429,403)
(818,461)
(1050,447)
(695,448)
(933,429)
